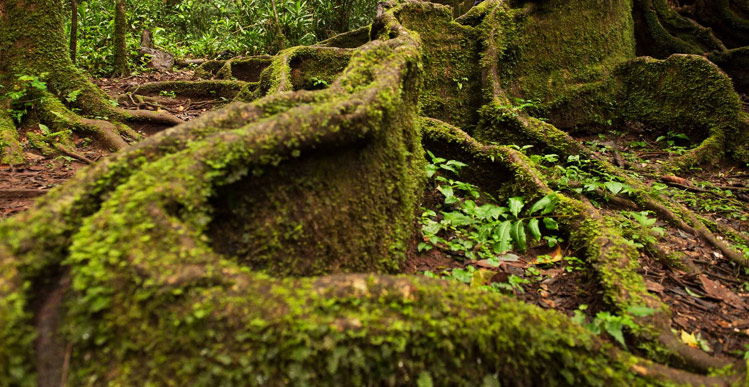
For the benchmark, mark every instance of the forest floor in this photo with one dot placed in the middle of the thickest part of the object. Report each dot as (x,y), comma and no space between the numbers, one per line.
(709,295)
(21,185)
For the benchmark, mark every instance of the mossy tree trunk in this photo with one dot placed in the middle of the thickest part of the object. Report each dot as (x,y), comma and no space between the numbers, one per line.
(121,68)
(33,43)
(73,30)
(188,257)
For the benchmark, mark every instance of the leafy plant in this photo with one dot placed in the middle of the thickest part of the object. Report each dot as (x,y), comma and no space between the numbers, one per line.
(646,233)
(23,94)
(672,138)
(471,224)
(612,324)
(214,29)
(578,175)
(319,83)
(460,82)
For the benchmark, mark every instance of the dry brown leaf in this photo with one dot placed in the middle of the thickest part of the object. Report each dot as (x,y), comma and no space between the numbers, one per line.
(676,179)
(654,286)
(716,290)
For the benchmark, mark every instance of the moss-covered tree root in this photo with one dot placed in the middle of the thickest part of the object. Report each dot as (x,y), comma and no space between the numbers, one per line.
(33,44)
(189,255)
(11,151)
(613,258)
(197,89)
(716,29)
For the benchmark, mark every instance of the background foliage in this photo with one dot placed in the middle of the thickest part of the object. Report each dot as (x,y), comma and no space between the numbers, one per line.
(212,28)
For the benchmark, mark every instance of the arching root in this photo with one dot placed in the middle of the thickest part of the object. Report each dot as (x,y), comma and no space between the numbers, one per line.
(328,181)
(198,89)
(59,117)
(615,260)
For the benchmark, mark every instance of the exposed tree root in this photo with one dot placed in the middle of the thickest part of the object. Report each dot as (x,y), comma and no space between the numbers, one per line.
(190,253)
(710,28)
(60,118)
(11,151)
(614,260)
(198,89)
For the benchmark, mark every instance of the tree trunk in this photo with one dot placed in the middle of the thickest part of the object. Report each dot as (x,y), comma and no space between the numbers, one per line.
(120,39)
(73,30)
(33,43)
(190,255)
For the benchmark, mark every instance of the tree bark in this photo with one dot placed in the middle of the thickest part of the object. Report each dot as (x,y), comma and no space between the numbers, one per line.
(73,30)
(120,39)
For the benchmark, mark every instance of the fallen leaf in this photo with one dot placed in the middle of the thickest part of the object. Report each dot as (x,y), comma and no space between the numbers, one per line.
(557,254)
(509,258)
(694,341)
(716,290)
(482,277)
(654,286)
(676,179)
(640,370)
(485,263)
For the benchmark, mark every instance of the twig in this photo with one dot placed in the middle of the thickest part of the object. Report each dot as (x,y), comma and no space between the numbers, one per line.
(66,365)
(72,154)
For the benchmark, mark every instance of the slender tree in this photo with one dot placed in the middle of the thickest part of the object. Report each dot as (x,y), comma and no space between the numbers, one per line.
(120,39)
(73,30)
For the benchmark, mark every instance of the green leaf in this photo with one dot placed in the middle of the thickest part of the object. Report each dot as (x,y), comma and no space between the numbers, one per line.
(642,218)
(502,235)
(423,246)
(614,328)
(424,380)
(516,205)
(430,227)
(546,203)
(640,311)
(431,169)
(490,211)
(457,219)
(449,194)
(44,129)
(534,229)
(517,232)
(614,186)
(551,224)
(453,166)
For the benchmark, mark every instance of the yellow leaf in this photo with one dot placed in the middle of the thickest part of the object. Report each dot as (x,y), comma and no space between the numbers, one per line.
(481,277)
(689,339)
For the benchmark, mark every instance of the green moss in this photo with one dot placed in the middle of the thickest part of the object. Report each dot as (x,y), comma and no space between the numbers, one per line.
(11,151)
(243,69)
(201,89)
(451,91)
(178,248)
(564,43)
